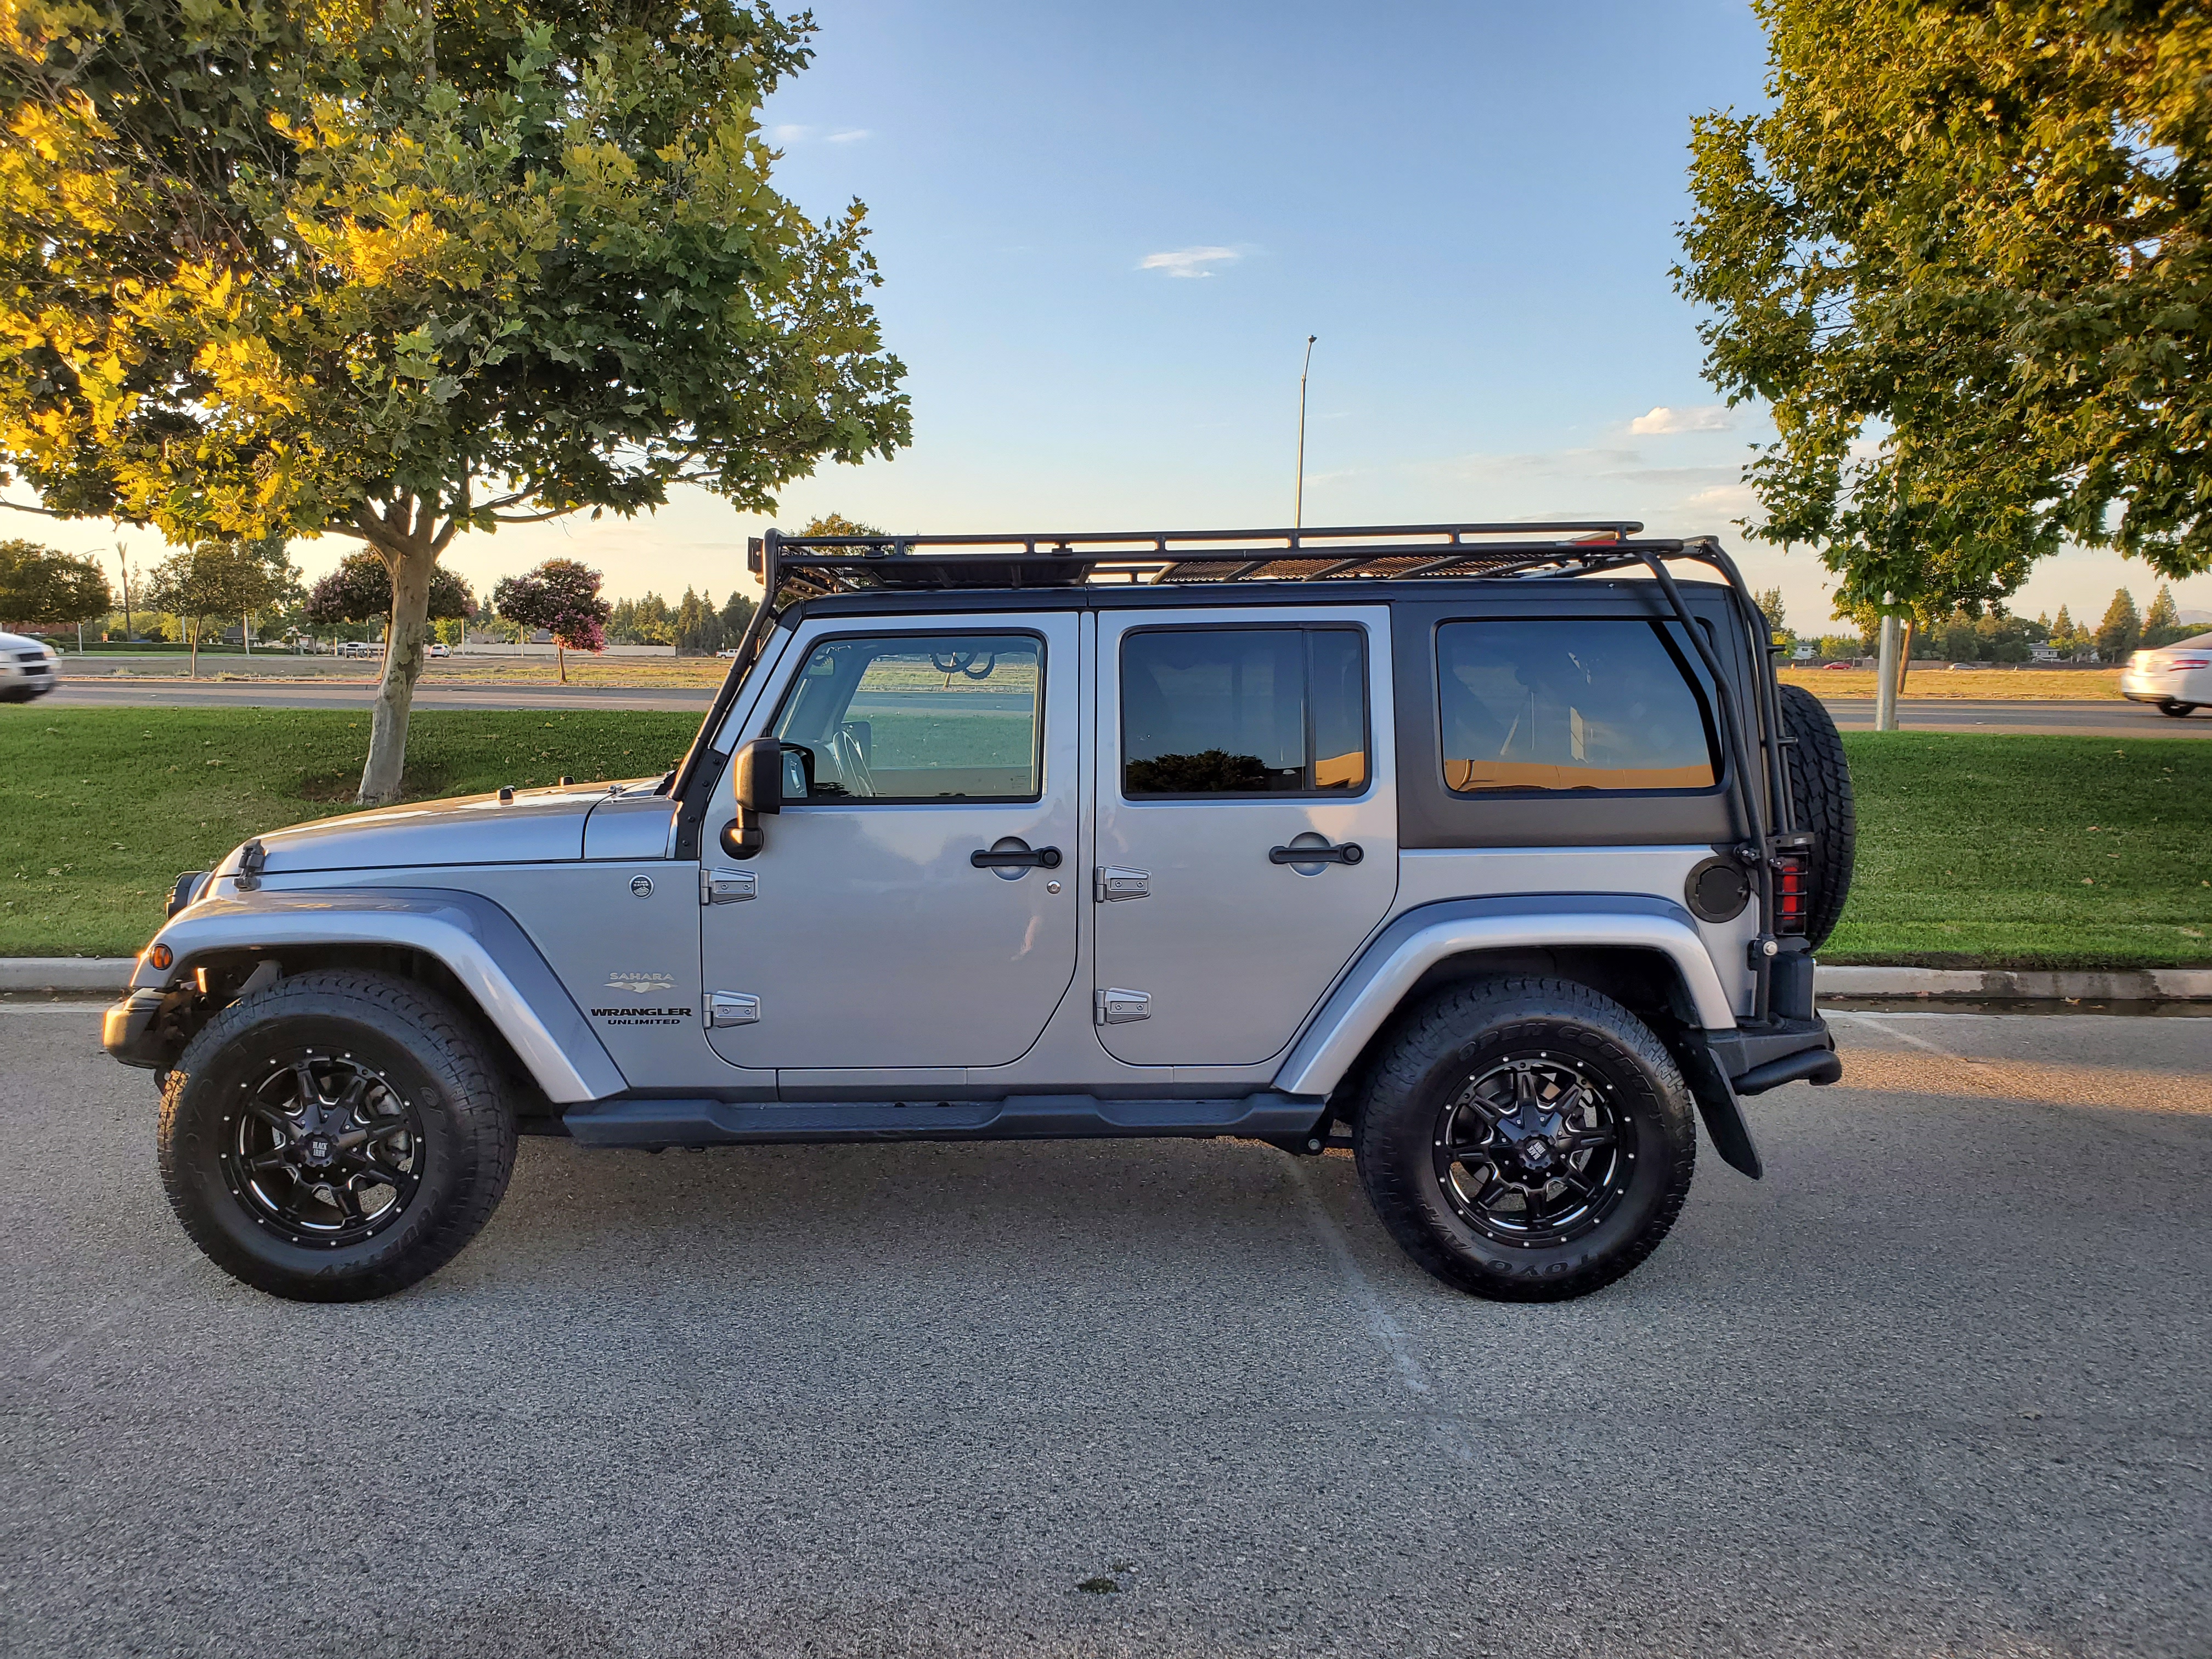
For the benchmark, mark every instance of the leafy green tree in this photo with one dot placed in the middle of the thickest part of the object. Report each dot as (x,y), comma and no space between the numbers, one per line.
(401,272)
(360,590)
(2117,634)
(647,620)
(1963,253)
(40,587)
(215,581)
(560,596)
(2163,624)
(837,524)
(2065,635)
(737,616)
(1778,620)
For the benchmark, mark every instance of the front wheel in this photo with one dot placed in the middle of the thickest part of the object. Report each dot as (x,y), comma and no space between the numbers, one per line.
(336,1138)
(1526,1139)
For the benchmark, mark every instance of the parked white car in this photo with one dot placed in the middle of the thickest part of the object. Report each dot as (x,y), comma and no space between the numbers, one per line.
(27,668)
(439,649)
(2178,678)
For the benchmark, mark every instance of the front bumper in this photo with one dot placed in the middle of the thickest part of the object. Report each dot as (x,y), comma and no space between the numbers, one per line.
(133,1030)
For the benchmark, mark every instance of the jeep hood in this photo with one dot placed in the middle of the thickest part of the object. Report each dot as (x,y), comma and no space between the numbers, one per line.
(537,826)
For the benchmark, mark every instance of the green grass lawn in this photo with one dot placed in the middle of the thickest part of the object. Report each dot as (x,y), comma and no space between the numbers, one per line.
(99,808)
(2029,852)
(1994,851)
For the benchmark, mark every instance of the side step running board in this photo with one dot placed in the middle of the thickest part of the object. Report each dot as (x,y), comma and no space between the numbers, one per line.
(654,1124)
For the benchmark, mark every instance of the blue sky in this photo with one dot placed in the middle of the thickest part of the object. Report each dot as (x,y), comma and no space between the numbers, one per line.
(1106,231)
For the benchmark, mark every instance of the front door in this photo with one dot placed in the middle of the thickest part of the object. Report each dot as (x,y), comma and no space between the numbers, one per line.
(874,936)
(1228,745)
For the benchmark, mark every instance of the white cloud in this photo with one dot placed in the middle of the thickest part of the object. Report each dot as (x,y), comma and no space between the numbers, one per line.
(788,134)
(1664,422)
(850,135)
(1190,261)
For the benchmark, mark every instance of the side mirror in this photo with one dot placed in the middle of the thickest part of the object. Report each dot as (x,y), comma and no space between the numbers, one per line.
(760,776)
(759,783)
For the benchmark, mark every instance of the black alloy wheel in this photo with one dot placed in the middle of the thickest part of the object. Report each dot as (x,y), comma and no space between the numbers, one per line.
(1525,1138)
(337,1136)
(325,1151)
(1532,1152)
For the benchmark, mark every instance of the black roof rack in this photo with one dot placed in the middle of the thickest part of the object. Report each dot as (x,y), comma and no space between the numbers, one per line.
(792,569)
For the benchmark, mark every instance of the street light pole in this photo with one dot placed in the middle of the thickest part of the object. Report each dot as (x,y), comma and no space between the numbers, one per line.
(1298,501)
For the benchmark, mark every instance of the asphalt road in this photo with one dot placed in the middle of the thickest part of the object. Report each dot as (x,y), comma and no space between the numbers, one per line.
(1937,1385)
(2086,718)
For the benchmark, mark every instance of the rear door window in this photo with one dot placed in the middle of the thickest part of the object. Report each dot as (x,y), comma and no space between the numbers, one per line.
(1244,711)
(1549,706)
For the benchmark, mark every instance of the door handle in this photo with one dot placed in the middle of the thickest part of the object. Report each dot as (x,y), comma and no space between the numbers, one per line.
(1015,858)
(1350,853)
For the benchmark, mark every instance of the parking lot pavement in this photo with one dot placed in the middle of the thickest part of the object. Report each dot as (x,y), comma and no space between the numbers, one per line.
(1938,1384)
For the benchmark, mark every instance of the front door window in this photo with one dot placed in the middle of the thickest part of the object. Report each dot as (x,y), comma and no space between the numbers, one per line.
(899,719)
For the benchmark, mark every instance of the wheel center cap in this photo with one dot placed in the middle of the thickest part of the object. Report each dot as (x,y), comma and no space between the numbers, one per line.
(1535,1153)
(318,1149)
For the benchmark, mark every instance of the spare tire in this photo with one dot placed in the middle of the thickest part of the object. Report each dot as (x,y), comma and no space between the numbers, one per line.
(1820,795)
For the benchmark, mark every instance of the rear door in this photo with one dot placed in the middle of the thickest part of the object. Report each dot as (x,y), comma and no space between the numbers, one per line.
(867,934)
(1230,741)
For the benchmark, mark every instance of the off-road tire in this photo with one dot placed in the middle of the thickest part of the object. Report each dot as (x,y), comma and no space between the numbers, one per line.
(1820,792)
(1455,1036)
(431,1053)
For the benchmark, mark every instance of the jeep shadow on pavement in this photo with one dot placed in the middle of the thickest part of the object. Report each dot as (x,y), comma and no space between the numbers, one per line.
(1493,853)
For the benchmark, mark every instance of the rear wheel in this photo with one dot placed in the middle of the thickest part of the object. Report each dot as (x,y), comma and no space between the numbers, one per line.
(1820,799)
(336,1138)
(1526,1139)
(2179,710)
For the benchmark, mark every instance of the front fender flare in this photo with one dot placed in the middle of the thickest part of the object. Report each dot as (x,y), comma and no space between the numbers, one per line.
(1390,966)
(479,944)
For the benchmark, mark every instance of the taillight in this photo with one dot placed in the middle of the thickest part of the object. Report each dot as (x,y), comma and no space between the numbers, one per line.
(2188,662)
(1793,890)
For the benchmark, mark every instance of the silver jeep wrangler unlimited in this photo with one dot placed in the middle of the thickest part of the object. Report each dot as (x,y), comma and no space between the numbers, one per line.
(1486,851)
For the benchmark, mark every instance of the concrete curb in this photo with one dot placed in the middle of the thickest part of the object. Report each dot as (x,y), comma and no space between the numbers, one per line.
(66,973)
(1986,985)
(113,973)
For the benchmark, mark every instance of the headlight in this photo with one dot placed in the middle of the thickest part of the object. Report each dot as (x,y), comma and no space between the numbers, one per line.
(53,655)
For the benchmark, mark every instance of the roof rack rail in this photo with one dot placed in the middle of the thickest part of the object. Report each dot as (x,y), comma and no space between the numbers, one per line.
(796,568)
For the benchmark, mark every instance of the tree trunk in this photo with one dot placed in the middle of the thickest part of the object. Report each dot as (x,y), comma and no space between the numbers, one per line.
(192,633)
(561,661)
(410,567)
(1905,653)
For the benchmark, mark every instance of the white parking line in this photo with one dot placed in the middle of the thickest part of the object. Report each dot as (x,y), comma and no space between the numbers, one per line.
(1387,1329)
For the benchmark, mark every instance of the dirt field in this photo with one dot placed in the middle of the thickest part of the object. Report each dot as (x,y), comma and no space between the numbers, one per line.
(1934,680)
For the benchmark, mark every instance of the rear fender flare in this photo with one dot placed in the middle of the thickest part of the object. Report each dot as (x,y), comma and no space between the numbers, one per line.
(479,944)
(1379,982)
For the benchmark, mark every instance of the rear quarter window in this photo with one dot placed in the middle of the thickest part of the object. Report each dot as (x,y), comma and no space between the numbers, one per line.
(1548,706)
